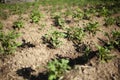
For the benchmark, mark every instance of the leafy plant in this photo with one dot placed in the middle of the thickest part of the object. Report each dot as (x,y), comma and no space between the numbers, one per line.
(118,21)
(57,68)
(109,21)
(75,34)
(87,51)
(104,12)
(104,53)
(78,14)
(8,44)
(88,13)
(18,24)
(114,39)
(54,38)
(1,25)
(35,16)
(59,21)
(92,27)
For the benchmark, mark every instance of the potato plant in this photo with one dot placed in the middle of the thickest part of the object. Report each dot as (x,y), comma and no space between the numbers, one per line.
(8,43)
(87,52)
(92,27)
(75,34)
(57,68)
(1,25)
(18,24)
(35,16)
(88,13)
(59,21)
(114,39)
(104,12)
(118,21)
(78,14)
(109,21)
(53,39)
(104,54)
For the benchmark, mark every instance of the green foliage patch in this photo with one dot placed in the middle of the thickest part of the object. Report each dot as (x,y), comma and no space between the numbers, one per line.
(104,54)
(53,38)
(18,24)
(57,68)
(75,34)
(8,44)
(35,16)
(92,27)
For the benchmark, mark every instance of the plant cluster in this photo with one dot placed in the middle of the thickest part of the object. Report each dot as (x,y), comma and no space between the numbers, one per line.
(8,42)
(109,21)
(35,16)
(54,38)
(92,27)
(75,34)
(56,68)
(18,24)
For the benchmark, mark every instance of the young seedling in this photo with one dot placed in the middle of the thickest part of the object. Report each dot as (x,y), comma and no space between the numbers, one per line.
(92,27)
(87,52)
(109,21)
(18,24)
(35,16)
(8,42)
(57,68)
(54,39)
(104,54)
(75,34)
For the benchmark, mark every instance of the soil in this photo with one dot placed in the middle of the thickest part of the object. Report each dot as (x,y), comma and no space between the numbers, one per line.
(30,60)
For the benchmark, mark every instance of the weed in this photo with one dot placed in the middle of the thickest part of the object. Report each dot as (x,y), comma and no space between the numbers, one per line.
(75,34)
(8,44)
(18,24)
(53,38)
(104,54)
(35,16)
(57,68)
(92,27)
(109,21)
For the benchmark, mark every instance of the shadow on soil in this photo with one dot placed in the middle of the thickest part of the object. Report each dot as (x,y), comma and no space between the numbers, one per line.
(26,44)
(81,60)
(26,73)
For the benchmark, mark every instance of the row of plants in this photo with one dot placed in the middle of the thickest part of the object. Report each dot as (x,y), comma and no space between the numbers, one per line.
(58,67)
